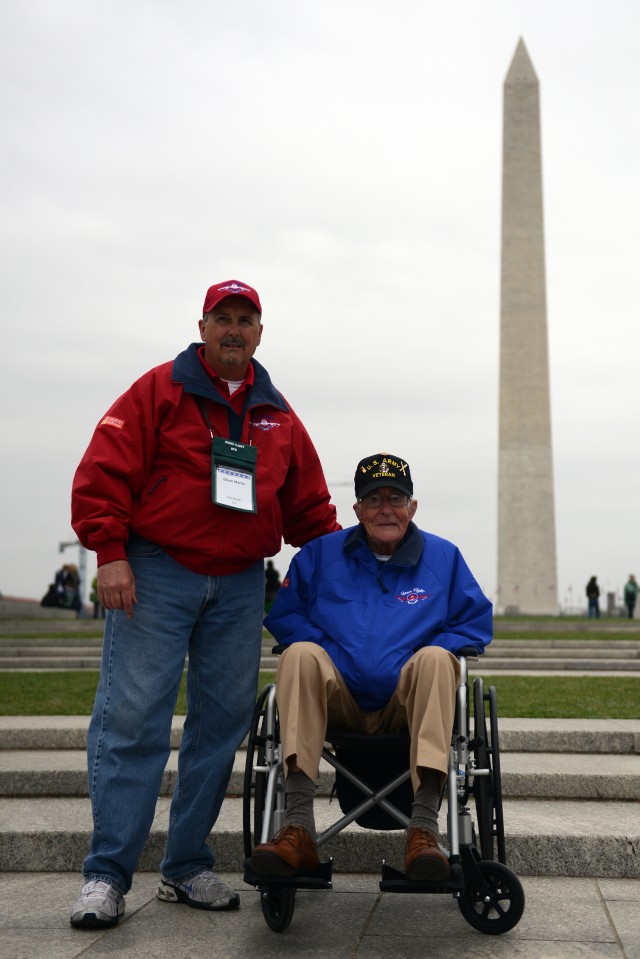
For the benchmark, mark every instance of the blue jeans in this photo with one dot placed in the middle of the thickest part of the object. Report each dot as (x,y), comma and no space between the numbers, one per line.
(217,620)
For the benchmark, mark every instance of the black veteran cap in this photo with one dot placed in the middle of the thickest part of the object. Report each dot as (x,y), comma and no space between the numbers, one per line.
(382,469)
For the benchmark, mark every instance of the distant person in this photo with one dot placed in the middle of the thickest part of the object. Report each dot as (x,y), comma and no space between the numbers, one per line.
(93,597)
(59,585)
(72,598)
(593,598)
(98,609)
(271,584)
(50,598)
(191,479)
(631,594)
(67,588)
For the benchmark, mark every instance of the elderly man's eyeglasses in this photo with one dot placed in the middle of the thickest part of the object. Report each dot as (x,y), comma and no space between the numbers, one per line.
(375,500)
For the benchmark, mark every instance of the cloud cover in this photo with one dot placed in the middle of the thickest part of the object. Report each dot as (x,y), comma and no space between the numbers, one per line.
(345,159)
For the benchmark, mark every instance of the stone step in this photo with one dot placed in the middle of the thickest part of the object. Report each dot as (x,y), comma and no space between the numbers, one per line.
(600,667)
(64,645)
(504,655)
(14,612)
(582,645)
(49,663)
(557,664)
(563,626)
(14,645)
(269,664)
(10,642)
(541,775)
(56,664)
(28,616)
(543,838)
(32,651)
(595,736)
(522,656)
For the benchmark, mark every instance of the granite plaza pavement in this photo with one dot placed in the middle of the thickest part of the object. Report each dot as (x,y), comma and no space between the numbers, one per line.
(564,918)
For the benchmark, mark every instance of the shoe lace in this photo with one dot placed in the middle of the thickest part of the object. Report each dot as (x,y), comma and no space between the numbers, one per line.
(294,835)
(206,880)
(97,889)
(424,837)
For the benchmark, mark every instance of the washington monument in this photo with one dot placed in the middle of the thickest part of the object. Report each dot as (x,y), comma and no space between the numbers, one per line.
(527,577)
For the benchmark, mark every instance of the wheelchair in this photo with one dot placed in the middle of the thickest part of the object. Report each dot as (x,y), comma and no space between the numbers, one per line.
(373,787)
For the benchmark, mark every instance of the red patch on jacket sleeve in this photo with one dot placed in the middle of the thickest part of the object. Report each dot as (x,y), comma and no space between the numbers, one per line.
(112,421)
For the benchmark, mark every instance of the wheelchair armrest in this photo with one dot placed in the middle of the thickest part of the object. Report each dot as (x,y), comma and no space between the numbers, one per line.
(469,652)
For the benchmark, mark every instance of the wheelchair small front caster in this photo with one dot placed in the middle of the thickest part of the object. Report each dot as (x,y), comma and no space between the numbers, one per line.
(277,907)
(498,907)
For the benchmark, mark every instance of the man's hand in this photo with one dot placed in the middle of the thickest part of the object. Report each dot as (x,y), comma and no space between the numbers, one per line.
(117,586)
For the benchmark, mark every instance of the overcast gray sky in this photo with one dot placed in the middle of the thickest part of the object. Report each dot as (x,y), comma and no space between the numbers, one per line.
(344,158)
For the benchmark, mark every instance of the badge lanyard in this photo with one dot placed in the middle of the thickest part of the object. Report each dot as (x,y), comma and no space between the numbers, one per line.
(233,472)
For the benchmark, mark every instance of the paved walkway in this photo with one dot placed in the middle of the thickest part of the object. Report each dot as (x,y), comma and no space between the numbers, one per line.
(563,919)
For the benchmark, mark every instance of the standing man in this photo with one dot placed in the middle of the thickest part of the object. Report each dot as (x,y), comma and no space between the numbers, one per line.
(190,480)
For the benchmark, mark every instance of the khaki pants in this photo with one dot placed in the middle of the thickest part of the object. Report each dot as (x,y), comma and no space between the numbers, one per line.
(311,695)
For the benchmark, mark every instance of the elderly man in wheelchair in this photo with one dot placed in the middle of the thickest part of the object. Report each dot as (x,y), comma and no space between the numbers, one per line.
(370,619)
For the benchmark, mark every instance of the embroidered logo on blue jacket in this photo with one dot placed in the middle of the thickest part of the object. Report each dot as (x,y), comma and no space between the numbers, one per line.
(413,596)
(265,424)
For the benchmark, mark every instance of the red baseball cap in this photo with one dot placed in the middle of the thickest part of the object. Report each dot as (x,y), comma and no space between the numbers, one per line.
(229,288)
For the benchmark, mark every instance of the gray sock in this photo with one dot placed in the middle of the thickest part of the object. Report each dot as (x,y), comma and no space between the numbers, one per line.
(300,792)
(424,812)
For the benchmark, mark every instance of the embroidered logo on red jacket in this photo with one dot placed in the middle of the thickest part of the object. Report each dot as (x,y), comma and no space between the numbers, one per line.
(265,425)
(112,421)
(413,596)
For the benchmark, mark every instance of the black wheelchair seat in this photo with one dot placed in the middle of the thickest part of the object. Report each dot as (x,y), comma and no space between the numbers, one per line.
(375,760)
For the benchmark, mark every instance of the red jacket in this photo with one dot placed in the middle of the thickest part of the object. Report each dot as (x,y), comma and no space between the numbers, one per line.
(147,470)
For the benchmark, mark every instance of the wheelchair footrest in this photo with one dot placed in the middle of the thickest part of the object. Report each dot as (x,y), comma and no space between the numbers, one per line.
(395,881)
(320,879)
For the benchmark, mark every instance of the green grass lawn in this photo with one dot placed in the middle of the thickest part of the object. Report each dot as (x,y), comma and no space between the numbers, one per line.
(567,697)
(571,697)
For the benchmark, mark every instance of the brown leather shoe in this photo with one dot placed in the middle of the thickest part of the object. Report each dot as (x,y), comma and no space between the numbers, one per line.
(291,852)
(423,859)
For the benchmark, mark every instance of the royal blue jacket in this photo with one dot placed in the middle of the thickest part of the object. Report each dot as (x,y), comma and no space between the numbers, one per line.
(372,616)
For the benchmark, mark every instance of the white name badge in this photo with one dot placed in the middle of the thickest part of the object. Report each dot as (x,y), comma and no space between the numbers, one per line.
(233,475)
(234,489)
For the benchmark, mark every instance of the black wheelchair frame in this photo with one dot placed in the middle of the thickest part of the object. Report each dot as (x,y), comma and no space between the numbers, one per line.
(489,894)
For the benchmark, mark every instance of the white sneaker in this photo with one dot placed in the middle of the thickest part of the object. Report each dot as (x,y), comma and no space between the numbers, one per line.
(100,904)
(202,891)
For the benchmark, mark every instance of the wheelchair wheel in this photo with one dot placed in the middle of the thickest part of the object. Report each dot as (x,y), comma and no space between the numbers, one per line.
(499,909)
(498,816)
(254,782)
(277,907)
(487,790)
